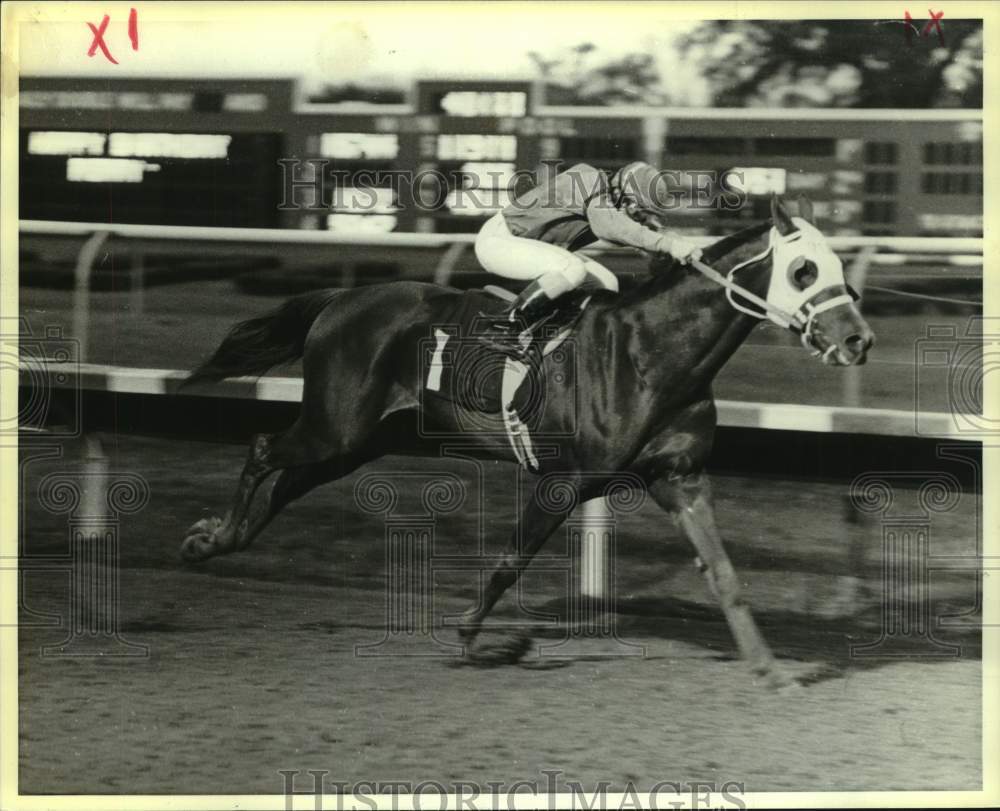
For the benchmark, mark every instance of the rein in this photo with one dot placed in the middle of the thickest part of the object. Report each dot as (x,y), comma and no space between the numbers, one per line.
(742,292)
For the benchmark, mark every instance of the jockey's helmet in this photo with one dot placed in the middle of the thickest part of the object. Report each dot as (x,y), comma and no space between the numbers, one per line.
(637,188)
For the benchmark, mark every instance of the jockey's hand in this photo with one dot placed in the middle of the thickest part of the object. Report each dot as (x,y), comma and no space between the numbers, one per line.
(681,248)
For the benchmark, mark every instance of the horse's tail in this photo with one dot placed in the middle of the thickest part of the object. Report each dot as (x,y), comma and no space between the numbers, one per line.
(254,346)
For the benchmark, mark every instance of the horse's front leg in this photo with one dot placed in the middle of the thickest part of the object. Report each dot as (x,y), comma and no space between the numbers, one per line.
(541,517)
(689,500)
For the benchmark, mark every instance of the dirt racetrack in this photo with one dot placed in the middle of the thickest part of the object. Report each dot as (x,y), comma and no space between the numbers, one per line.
(252,669)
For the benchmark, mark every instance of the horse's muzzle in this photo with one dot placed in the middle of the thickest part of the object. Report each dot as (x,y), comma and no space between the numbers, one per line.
(852,351)
(855,347)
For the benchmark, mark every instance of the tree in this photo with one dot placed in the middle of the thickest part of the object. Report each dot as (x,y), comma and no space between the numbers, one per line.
(845,63)
(572,79)
(332,94)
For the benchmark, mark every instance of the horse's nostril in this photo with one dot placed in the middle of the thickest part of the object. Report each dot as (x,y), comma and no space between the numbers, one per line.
(856,343)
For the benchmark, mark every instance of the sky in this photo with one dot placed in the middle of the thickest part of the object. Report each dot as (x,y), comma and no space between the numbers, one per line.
(344,42)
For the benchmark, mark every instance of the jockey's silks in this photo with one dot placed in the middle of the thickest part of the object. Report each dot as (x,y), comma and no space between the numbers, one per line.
(574,209)
(556,211)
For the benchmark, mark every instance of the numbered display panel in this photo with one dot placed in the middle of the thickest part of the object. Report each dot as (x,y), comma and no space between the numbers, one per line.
(245,153)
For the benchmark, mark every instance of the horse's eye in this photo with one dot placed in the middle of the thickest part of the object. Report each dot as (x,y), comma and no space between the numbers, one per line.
(803,273)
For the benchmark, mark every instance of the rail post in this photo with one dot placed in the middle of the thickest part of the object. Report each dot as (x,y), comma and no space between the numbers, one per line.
(592,534)
(594,515)
(137,281)
(81,290)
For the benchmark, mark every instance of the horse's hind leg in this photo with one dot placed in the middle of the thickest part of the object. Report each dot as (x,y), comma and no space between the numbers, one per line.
(217,536)
(292,483)
(268,454)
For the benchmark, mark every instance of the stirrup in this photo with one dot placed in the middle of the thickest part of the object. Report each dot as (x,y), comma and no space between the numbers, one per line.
(511,344)
(497,321)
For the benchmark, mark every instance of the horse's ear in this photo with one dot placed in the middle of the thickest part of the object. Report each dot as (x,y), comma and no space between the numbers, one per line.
(806,209)
(780,217)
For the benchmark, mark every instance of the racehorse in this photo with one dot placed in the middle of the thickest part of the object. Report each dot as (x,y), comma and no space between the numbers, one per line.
(645,361)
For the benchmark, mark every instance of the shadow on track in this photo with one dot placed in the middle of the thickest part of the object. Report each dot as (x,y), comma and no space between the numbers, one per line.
(824,644)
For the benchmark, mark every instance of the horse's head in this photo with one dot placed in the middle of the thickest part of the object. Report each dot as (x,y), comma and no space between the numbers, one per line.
(807,282)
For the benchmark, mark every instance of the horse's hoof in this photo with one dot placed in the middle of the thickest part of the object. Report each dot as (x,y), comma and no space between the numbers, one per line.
(509,650)
(209,525)
(468,627)
(819,673)
(200,541)
(780,681)
(196,548)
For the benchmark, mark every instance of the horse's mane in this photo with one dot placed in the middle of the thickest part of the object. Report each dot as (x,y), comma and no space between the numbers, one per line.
(665,271)
(730,243)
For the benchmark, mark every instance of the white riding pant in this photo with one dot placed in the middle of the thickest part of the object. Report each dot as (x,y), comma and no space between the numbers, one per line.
(558,271)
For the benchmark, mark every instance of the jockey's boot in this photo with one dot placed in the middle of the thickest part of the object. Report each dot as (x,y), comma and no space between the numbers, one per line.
(512,331)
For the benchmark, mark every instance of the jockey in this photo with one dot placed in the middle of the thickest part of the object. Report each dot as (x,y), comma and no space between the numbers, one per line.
(536,236)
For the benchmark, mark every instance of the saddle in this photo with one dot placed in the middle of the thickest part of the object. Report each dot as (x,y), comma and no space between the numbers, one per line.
(459,367)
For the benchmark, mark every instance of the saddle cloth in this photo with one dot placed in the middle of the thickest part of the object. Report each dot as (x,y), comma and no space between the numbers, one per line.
(458,367)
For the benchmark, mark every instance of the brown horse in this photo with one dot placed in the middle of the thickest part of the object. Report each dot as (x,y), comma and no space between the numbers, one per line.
(640,387)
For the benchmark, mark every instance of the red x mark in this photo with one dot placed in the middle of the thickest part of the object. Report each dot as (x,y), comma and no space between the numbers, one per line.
(99,40)
(935,22)
(133,29)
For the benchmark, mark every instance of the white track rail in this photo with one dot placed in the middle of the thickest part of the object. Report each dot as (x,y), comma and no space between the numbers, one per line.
(277,236)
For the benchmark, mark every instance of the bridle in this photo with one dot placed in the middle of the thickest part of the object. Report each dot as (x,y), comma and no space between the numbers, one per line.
(802,320)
